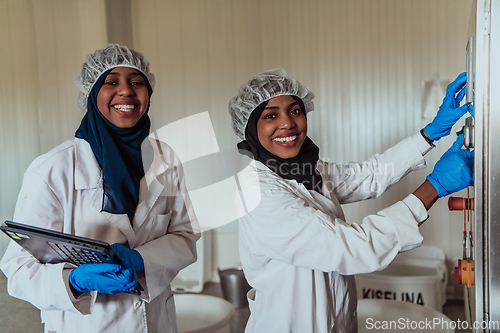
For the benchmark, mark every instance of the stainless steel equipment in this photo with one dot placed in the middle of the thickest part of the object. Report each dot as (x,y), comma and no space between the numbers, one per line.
(485,20)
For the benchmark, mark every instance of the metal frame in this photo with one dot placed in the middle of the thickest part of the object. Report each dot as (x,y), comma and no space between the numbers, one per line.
(487,164)
(492,104)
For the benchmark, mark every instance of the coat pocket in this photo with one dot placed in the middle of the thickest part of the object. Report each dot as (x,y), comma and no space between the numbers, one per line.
(160,226)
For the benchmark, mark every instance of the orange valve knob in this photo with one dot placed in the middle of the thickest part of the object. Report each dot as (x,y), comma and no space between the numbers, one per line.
(464,273)
(455,203)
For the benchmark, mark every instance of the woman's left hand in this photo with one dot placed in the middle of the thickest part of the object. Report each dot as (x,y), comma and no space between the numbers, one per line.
(129,257)
(454,171)
(450,110)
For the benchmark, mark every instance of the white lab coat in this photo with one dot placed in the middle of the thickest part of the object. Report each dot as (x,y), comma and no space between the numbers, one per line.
(299,254)
(62,190)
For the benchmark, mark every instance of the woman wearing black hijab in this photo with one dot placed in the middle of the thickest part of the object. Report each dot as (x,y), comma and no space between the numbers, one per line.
(115,184)
(297,251)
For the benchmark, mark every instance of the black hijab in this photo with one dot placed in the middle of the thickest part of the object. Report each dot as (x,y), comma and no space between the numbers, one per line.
(118,152)
(301,168)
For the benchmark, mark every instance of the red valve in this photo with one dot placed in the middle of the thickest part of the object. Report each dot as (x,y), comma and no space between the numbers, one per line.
(455,203)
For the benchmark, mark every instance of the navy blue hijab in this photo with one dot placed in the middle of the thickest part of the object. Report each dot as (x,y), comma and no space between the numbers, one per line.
(118,152)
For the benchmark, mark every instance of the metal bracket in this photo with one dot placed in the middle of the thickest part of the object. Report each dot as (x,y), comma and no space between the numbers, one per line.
(487,23)
(468,132)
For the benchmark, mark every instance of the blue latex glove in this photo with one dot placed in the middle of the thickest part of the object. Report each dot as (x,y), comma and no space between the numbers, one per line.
(129,257)
(454,171)
(450,110)
(104,278)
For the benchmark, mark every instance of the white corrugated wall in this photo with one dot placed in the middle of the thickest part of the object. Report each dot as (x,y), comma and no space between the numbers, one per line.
(366,61)
(42,47)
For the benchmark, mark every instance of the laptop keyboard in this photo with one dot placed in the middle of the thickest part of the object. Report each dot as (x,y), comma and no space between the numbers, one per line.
(75,255)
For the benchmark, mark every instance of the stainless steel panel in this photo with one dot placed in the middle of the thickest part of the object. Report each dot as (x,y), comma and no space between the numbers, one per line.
(481,165)
(487,165)
(492,102)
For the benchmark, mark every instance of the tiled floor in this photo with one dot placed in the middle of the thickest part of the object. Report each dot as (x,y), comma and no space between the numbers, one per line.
(19,316)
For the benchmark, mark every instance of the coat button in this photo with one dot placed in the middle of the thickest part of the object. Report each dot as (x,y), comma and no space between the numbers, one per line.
(137,304)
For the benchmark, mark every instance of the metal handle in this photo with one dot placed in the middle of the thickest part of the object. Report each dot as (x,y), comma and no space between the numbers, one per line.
(469,87)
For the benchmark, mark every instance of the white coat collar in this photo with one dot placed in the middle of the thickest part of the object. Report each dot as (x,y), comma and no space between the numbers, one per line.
(158,166)
(324,200)
(88,174)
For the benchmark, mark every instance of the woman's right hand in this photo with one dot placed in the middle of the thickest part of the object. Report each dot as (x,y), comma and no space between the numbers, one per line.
(450,111)
(104,278)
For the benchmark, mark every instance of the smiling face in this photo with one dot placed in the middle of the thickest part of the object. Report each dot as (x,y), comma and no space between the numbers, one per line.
(124,97)
(282,127)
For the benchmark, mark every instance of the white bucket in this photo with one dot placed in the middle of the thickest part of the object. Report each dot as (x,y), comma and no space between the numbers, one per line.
(202,314)
(410,279)
(376,315)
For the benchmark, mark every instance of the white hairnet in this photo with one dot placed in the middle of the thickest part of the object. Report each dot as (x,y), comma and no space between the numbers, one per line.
(262,87)
(113,55)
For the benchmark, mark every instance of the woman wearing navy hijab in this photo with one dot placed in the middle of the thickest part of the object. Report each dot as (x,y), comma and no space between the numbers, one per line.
(115,184)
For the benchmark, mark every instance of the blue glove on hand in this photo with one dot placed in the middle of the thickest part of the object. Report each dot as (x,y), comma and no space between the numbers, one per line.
(454,170)
(129,257)
(104,278)
(471,110)
(450,111)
